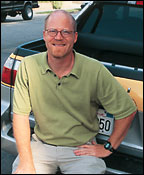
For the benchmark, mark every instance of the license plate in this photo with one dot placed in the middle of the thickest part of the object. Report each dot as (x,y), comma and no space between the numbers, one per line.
(106,122)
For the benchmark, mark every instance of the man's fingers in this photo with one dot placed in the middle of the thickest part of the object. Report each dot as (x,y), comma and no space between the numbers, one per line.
(84,146)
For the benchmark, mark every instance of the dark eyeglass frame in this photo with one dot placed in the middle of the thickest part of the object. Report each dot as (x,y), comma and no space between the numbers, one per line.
(53,32)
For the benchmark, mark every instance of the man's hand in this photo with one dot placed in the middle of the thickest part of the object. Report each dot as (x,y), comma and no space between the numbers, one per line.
(121,127)
(25,169)
(95,149)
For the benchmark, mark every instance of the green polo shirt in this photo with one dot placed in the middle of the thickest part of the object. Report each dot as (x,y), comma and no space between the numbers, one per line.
(65,109)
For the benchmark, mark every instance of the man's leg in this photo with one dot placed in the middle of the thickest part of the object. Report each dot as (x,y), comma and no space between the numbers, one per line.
(72,164)
(43,157)
(85,165)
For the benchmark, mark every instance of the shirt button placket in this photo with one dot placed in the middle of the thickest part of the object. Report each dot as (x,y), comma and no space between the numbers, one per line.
(59,84)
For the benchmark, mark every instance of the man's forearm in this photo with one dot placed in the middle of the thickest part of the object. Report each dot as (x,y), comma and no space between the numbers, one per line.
(21,130)
(121,127)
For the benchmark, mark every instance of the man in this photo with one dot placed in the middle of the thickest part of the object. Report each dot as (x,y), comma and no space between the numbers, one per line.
(64,90)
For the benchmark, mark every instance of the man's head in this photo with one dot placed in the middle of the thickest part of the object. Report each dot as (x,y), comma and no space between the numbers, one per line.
(60,33)
(64,12)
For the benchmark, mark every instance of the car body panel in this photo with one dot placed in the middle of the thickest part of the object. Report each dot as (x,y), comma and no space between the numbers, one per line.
(136,90)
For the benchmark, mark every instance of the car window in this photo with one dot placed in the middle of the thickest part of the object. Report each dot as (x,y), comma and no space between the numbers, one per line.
(89,23)
(118,21)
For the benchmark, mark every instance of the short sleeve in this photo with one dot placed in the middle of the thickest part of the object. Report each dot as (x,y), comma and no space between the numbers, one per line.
(112,96)
(21,98)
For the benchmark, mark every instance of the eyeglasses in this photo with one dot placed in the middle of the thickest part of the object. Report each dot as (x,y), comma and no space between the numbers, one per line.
(54,32)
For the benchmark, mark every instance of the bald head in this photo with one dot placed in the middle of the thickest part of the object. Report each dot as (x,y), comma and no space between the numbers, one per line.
(61,13)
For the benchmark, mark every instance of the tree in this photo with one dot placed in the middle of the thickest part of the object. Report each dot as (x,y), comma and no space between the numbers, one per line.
(56,4)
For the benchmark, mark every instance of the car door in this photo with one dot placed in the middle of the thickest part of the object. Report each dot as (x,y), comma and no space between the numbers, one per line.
(6,5)
(18,4)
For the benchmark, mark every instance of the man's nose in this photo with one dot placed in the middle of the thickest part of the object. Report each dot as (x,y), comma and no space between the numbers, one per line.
(59,36)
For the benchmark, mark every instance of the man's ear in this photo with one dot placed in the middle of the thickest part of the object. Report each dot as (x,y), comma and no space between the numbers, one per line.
(76,36)
(44,35)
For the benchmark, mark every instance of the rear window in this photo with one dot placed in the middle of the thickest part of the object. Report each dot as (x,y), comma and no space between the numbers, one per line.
(125,22)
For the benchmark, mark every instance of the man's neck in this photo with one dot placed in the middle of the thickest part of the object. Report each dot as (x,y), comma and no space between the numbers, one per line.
(61,66)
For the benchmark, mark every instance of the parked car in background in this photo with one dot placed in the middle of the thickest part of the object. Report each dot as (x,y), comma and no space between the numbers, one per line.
(111,32)
(12,8)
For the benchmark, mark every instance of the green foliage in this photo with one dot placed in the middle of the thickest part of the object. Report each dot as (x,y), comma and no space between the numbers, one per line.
(56,4)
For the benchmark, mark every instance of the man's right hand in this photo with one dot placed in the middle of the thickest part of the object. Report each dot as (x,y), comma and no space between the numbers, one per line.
(25,169)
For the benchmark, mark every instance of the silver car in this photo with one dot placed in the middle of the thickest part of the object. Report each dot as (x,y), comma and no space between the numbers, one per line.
(111,32)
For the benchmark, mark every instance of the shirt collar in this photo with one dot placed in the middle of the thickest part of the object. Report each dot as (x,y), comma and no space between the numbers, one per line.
(44,64)
(76,70)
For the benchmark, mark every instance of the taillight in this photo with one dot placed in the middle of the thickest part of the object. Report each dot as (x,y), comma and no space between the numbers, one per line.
(139,2)
(9,71)
(135,2)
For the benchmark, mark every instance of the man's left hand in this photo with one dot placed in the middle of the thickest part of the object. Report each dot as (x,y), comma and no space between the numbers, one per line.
(95,149)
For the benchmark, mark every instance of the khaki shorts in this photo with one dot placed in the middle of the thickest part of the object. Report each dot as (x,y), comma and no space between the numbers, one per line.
(48,158)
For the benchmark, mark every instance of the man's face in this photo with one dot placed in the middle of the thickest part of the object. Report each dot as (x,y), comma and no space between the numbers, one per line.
(59,46)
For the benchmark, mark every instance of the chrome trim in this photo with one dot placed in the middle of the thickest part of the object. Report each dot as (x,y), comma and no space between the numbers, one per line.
(82,10)
(121,66)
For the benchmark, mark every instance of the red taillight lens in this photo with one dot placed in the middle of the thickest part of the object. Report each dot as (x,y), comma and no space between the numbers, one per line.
(8,76)
(139,2)
(9,71)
